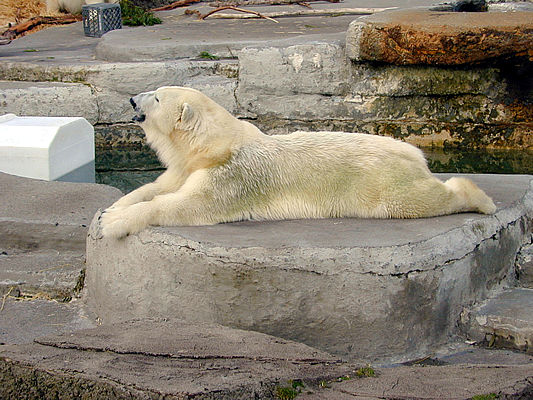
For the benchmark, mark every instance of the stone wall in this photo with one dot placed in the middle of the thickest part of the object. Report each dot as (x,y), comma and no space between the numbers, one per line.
(309,87)
(315,87)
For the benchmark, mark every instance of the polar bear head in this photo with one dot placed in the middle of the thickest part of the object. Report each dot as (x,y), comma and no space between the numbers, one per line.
(171,108)
(187,121)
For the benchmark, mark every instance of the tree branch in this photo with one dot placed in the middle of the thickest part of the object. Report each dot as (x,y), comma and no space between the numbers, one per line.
(296,13)
(255,13)
(238,3)
(176,4)
(23,27)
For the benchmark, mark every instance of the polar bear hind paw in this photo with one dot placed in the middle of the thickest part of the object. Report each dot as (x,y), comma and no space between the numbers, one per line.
(473,197)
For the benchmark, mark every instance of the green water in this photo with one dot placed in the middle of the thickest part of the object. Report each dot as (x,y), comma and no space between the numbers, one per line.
(480,161)
(127,169)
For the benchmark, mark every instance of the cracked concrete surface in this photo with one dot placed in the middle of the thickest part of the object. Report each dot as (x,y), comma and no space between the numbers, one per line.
(179,339)
(161,358)
(434,382)
(172,359)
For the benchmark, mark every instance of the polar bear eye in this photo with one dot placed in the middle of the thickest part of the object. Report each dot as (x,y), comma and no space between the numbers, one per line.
(156,99)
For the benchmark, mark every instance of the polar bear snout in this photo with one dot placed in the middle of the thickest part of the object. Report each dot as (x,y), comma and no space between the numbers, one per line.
(140,117)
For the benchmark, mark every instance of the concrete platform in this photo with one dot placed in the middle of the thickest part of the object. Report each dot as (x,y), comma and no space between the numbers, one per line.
(37,214)
(166,357)
(360,289)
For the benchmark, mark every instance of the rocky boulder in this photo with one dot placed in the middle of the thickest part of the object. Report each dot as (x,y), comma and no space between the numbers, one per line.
(422,36)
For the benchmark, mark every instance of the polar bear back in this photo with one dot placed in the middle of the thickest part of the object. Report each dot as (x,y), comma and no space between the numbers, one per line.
(324,174)
(366,148)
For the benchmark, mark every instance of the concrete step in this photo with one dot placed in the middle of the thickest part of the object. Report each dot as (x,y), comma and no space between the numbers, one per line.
(45,272)
(43,229)
(38,215)
(505,320)
(24,319)
(48,99)
(110,103)
(161,359)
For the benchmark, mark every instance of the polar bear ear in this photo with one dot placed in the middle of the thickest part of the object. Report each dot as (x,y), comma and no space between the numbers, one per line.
(189,119)
(187,114)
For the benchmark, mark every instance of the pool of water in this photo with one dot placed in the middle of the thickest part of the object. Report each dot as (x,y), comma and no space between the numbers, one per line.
(127,168)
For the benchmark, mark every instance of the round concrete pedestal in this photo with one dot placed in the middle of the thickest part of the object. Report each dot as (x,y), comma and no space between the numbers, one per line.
(360,289)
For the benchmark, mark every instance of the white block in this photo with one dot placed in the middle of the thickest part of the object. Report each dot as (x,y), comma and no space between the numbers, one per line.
(49,148)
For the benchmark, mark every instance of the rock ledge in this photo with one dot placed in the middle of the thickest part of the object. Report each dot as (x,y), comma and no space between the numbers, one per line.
(421,36)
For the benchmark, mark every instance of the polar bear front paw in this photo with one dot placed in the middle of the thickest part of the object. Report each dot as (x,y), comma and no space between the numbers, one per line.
(120,222)
(114,226)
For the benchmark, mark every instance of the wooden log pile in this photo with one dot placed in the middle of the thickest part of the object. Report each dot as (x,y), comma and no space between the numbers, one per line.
(23,27)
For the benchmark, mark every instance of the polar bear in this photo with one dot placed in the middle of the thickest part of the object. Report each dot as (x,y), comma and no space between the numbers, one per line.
(72,6)
(221,169)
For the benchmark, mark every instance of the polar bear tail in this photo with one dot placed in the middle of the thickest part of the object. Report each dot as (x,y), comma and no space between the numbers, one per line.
(470,197)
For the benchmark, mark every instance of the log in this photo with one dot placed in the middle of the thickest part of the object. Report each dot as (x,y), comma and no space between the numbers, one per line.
(239,3)
(25,26)
(255,13)
(301,13)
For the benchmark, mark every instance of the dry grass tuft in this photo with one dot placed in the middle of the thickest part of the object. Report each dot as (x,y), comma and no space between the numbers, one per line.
(16,11)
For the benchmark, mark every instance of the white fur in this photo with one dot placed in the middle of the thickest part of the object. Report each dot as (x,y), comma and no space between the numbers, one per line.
(221,169)
(72,6)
